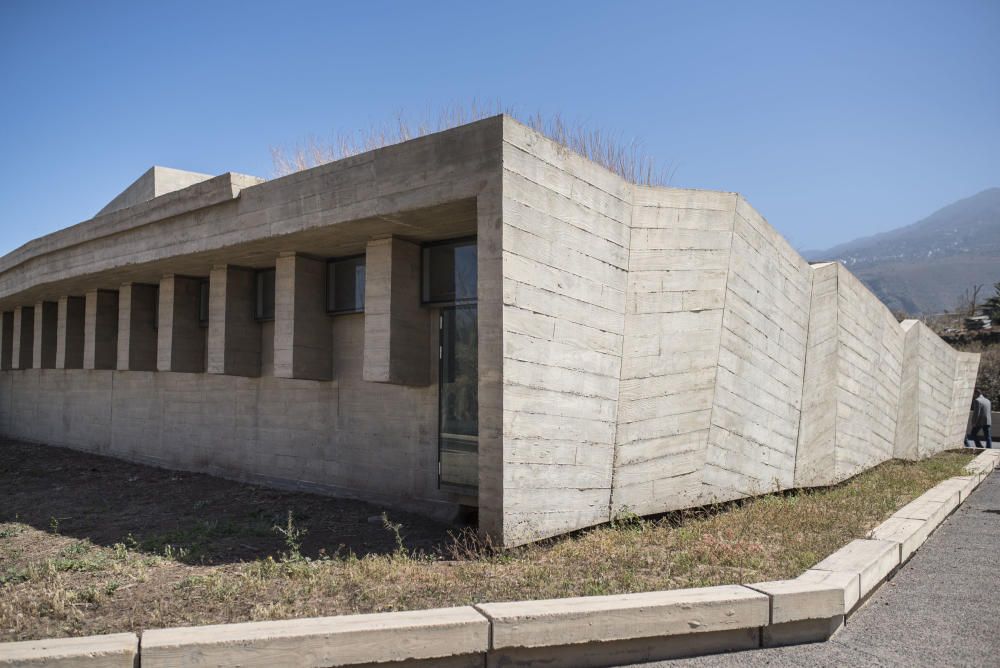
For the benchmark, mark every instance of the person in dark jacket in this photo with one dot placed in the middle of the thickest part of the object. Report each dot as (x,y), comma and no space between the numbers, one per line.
(982,420)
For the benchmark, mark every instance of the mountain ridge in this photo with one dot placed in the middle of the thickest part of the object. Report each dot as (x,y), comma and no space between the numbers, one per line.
(926,266)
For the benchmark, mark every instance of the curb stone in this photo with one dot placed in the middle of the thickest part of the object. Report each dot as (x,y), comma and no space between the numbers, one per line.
(117,650)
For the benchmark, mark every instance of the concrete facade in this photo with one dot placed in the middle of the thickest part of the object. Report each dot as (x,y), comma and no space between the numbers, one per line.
(640,349)
(853,374)
(935,393)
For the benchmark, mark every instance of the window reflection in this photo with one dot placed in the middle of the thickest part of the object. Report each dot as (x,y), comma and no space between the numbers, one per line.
(449,272)
(346,286)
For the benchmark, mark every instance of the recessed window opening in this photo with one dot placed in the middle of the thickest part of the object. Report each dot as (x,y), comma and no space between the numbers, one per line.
(449,272)
(345,287)
(265,295)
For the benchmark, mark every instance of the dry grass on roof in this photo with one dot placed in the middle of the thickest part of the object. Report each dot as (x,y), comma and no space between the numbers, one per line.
(625,157)
(92,545)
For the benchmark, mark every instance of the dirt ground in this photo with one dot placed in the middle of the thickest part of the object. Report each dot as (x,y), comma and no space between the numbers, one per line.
(93,545)
(105,500)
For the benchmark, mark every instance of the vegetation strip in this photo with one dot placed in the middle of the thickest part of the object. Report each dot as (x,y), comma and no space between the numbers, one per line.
(552,626)
(102,546)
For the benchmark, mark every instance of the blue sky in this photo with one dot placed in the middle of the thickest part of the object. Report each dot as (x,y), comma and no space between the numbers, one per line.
(836,119)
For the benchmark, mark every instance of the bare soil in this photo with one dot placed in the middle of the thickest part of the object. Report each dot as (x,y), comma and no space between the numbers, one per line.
(94,545)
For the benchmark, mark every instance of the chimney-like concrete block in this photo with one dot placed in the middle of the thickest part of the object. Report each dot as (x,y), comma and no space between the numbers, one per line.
(396,326)
(100,330)
(24,337)
(302,330)
(6,340)
(137,314)
(181,343)
(233,333)
(46,324)
(70,332)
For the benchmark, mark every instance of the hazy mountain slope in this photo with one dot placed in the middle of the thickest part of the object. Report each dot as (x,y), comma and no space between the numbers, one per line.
(925,267)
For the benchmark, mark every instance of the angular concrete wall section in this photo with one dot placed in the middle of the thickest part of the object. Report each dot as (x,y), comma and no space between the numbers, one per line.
(852,380)
(641,349)
(739,368)
(935,393)
(678,268)
(565,261)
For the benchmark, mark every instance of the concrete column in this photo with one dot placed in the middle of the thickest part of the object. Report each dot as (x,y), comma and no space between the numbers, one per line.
(24,337)
(181,342)
(6,340)
(100,330)
(396,326)
(46,324)
(302,329)
(137,314)
(489,309)
(69,332)
(233,333)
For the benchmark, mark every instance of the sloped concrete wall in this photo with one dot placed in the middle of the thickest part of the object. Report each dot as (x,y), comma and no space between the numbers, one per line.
(740,368)
(815,459)
(936,361)
(871,352)
(936,394)
(966,370)
(755,415)
(679,262)
(853,377)
(566,226)
(907,441)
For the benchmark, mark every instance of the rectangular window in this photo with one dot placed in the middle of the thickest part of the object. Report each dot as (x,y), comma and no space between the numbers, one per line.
(265,295)
(449,272)
(203,302)
(345,287)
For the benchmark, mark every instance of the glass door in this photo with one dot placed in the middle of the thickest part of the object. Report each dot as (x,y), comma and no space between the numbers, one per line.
(458,402)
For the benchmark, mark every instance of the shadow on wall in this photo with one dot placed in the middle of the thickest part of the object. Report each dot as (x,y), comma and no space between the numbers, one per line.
(204,520)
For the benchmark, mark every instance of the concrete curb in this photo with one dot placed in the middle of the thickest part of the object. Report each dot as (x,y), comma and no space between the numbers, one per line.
(608,630)
(583,631)
(443,633)
(118,650)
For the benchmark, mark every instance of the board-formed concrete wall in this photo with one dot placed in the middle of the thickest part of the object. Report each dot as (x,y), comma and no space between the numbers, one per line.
(641,349)
(678,266)
(935,393)
(852,381)
(741,368)
(566,229)
(344,436)
(295,433)
(966,370)
(755,416)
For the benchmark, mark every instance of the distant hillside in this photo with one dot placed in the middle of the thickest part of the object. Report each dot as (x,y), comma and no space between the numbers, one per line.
(925,267)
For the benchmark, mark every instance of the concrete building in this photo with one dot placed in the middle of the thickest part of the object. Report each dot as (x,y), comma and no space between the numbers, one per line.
(477,317)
